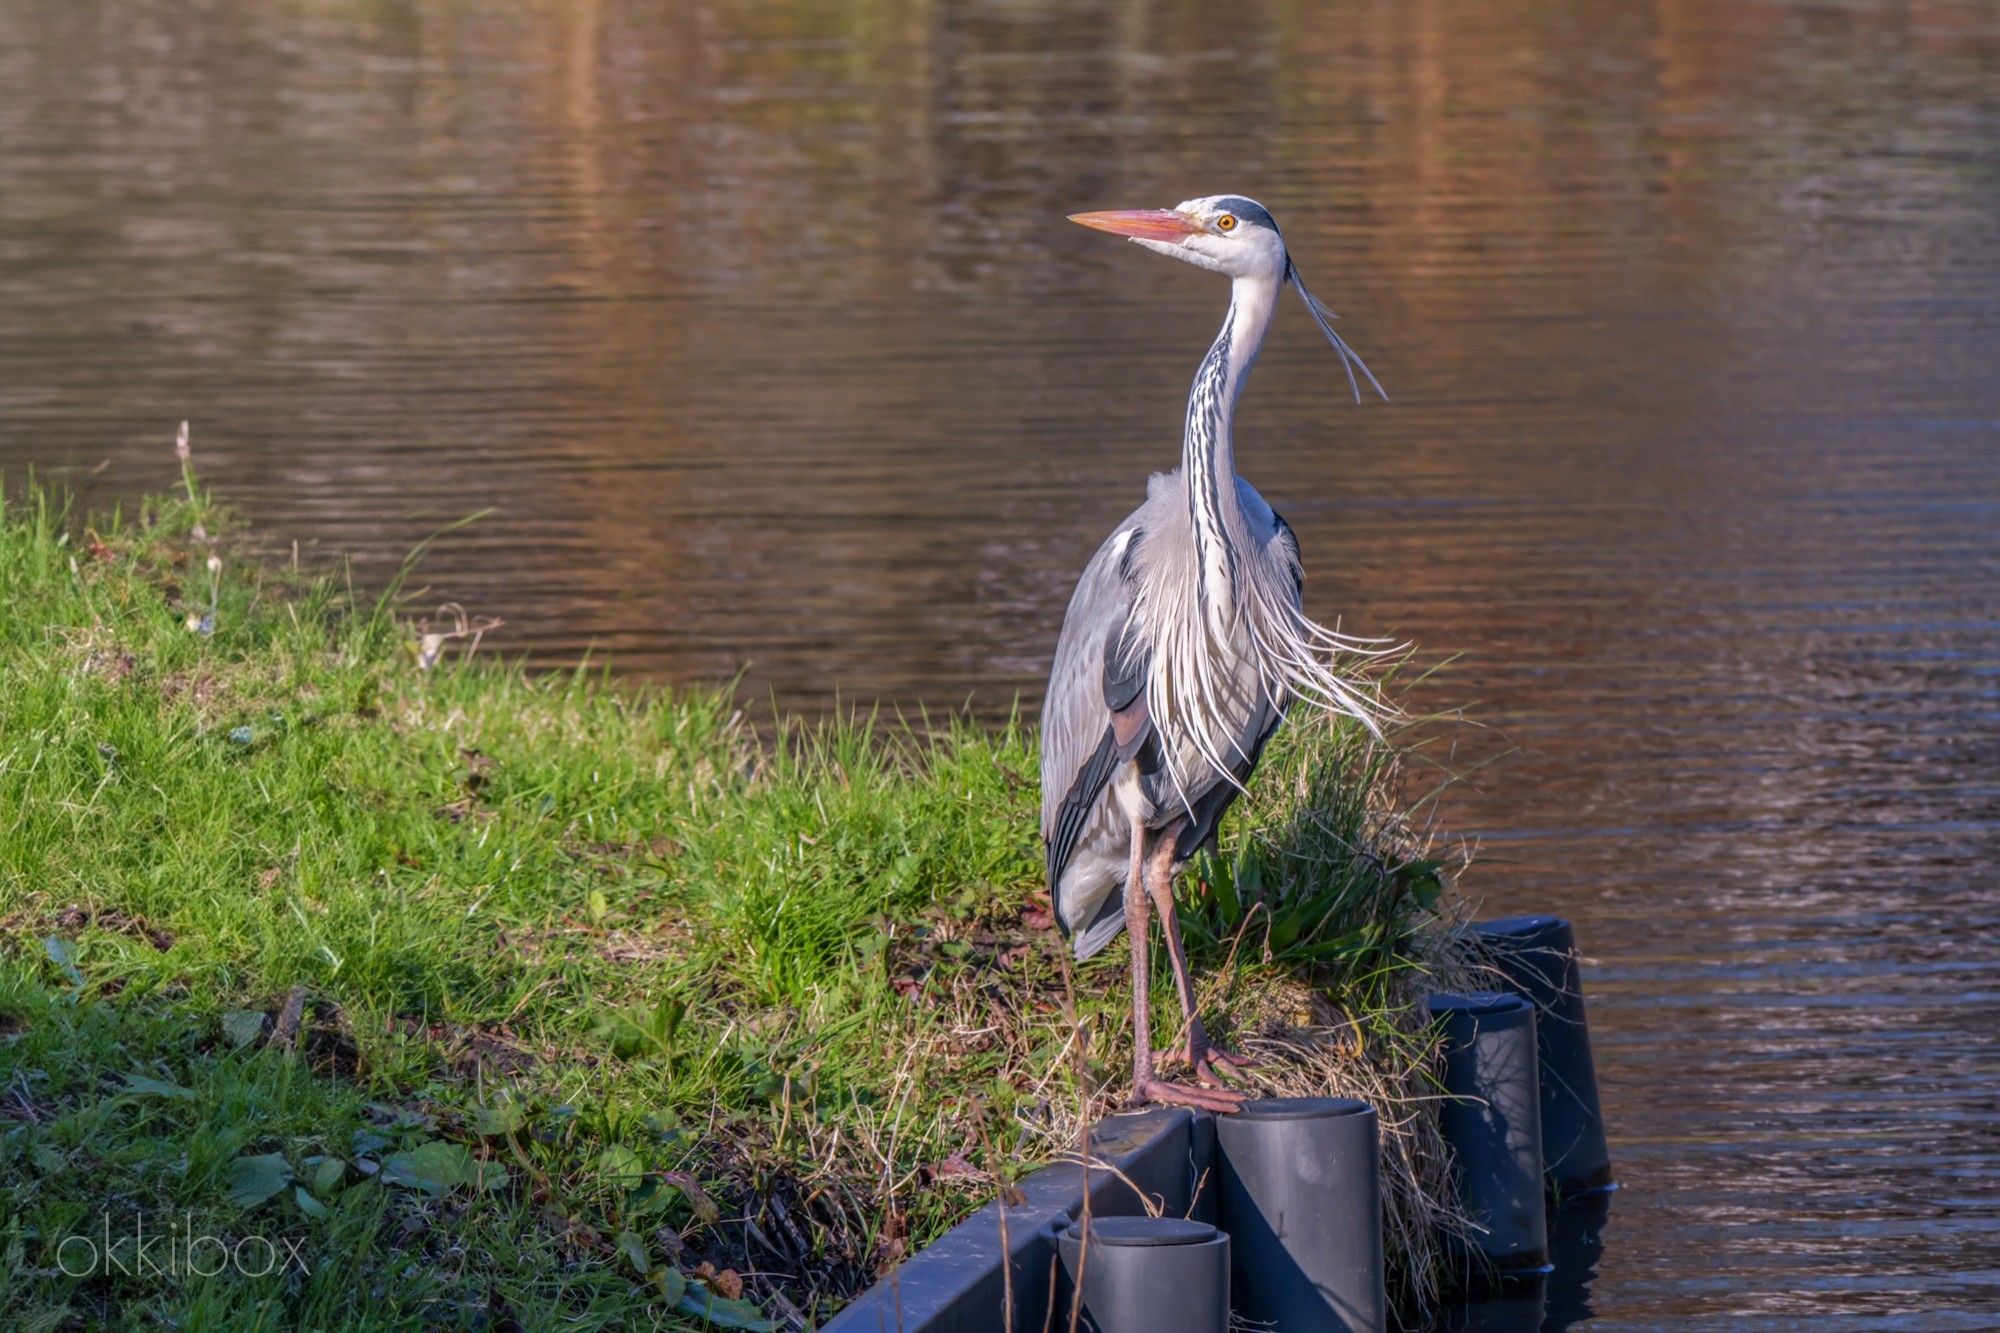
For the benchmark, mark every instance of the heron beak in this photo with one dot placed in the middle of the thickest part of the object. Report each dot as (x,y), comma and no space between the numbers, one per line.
(1141,224)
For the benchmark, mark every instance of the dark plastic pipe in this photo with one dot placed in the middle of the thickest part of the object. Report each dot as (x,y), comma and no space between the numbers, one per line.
(1302,1200)
(1145,1275)
(1538,957)
(1493,1120)
(960,1282)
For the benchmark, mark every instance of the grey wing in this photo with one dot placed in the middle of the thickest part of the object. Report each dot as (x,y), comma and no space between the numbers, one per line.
(1094,714)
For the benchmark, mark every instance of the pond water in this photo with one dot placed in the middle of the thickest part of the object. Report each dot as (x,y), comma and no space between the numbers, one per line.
(758,329)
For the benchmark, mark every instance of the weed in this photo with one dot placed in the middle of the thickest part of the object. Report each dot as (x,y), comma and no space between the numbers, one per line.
(524,1000)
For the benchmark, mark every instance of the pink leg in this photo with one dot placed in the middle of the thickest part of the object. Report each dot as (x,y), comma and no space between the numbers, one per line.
(1145,1086)
(1200,1053)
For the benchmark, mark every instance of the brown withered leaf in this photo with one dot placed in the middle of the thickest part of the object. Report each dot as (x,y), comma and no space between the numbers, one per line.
(479,766)
(704,1207)
(76,917)
(954,1165)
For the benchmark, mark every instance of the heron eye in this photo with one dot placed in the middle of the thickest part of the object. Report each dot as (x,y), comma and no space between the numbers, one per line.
(1225,223)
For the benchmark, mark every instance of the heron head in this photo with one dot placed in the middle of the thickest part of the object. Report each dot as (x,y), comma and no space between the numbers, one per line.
(1227,233)
(1224,233)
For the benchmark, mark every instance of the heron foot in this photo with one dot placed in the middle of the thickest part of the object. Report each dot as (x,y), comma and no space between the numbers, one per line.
(1220,1100)
(1204,1057)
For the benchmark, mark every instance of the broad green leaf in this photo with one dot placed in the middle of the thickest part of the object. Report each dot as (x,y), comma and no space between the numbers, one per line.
(722,1312)
(254,1179)
(138,1085)
(1249,870)
(652,1196)
(500,1118)
(637,1032)
(1227,903)
(435,1167)
(243,1026)
(308,1205)
(328,1175)
(634,1250)
(63,954)
(621,1166)
(1426,880)
(1326,951)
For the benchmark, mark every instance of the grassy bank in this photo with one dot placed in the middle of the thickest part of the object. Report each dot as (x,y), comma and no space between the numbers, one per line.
(457,996)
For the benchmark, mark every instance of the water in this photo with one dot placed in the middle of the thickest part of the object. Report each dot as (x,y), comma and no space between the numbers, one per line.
(758,329)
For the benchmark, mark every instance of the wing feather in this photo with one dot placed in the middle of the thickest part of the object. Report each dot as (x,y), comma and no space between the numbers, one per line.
(1094,715)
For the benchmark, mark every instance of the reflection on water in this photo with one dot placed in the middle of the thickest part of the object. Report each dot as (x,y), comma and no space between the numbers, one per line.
(758,328)
(1554,1302)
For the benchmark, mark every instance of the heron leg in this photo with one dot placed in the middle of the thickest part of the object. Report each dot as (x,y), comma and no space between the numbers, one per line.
(1200,1053)
(1135,930)
(1145,1085)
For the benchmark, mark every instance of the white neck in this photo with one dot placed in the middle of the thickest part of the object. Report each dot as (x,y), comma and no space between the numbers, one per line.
(1208,456)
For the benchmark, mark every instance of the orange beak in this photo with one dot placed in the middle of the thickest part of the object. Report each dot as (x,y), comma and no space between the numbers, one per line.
(1141,224)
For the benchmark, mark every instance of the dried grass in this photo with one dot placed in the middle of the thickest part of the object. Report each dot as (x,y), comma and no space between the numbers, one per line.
(854,1004)
(1344,924)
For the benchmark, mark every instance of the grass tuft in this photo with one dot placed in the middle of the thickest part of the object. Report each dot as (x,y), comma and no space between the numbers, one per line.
(510,1000)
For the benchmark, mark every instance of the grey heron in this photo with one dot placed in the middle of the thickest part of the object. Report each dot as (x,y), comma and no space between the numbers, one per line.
(1184,643)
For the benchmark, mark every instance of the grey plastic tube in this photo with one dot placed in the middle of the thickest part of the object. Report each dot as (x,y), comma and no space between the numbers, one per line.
(1301,1197)
(1145,1275)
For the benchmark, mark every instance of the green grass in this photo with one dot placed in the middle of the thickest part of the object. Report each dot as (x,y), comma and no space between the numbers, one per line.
(512,1000)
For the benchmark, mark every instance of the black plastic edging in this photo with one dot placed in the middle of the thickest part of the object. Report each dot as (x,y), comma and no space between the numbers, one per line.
(1538,957)
(955,1284)
(958,1284)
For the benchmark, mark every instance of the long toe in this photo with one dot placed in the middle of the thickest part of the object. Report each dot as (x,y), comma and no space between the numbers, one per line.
(1207,1073)
(1230,1060)
(1218,1099)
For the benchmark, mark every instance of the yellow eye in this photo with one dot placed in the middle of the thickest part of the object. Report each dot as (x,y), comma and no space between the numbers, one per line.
(1225,223)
